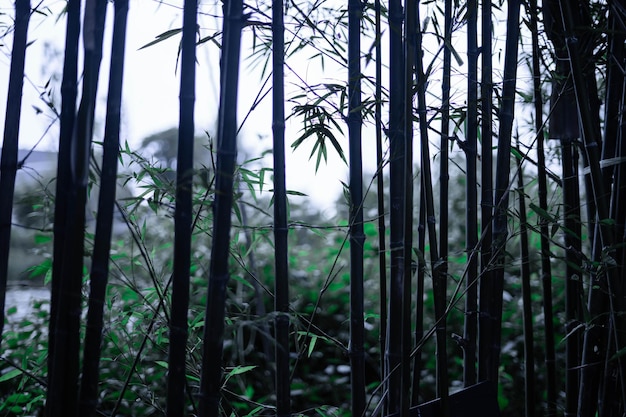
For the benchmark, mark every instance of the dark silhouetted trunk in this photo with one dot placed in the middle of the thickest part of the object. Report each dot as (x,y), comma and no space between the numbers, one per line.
(397,179)
(183,213)
(471,212)
(9,163)
(73,171)
(104,225)
(546,267)
(281,285)
(493,310)
(211,375)
(357,237)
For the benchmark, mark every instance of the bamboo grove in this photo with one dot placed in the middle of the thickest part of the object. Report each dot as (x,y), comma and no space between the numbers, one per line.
(520,103)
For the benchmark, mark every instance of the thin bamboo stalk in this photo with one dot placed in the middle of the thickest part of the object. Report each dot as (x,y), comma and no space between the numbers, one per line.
(104,224)
(444,177)
(529,344)
(546,267)
(410,45)
(397,178)
(573,271)
(419,297)
(357,236)
(64,371)
(211,374)
(503,166)
(281,285)
(471,191)
(439,279)
(183,214)
(486,184)
(380,187)
(443,185)
(10,142)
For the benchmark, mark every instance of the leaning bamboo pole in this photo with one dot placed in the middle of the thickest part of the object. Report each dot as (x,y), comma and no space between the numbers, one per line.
(10,142)
(183,213)
(104,224)
(211,374)
(281,285)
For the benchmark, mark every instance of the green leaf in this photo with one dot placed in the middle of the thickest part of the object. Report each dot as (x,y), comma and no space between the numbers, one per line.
(41,238)
(162,364)
(10,375)
(542,213)
(163,36)
(312,344)
(238,370)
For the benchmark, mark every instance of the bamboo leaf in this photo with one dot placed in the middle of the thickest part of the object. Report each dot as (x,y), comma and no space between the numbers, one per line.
(163,36)
(543,213)
(10,375)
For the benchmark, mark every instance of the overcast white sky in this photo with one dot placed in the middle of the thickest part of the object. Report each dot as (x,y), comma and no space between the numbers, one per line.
(151,88)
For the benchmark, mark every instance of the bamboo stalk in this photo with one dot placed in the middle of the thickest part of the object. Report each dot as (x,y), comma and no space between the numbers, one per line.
(546,267)
(529,345)
(397,178)
(419,297)
(471,191)
(410,46)
(486,185)
(281,285)
(104,224)
(183,213)
(10,142)
(211,374)
(63,374)
(380,186)
(573,270)
(443,183)
(58,311)
(444,177)
(503,165)
(357,236)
